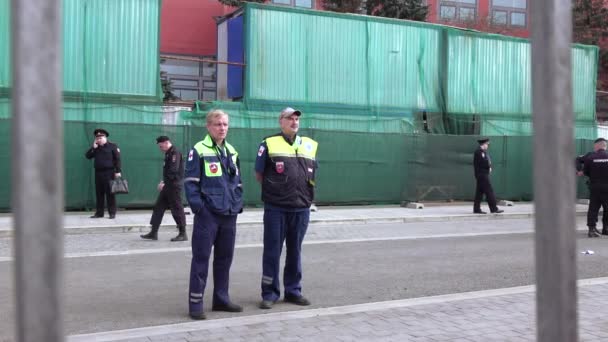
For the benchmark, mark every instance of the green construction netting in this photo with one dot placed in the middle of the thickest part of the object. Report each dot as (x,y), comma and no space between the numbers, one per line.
(466,81)
(110,48)
(110,112)
(266,116)
(355,167)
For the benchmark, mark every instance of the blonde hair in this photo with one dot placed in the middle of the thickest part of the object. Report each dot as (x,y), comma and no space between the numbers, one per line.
(215,113)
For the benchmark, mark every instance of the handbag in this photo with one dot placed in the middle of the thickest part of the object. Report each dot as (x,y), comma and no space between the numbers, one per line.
(119,186)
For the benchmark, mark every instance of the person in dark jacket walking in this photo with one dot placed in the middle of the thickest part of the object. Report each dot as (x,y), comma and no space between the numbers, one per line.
(580,163)
(170,191)
(106,157)
(482,164)
(596,168)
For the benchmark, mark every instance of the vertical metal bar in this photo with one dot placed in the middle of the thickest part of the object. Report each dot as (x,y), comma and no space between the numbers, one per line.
(554,181)
(37,168)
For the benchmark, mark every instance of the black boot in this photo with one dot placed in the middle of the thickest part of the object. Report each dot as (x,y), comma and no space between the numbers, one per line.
(605,231)
(593,233)
(182,236)
(152,235)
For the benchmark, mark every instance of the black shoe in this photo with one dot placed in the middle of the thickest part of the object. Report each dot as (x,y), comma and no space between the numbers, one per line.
(180,237)
(150,236)
(498,211)
(593,233)
(301,300)
(96,216)
(266,304)
(198,316)
(604,231)
(112,216)
(230,307)
(479,212)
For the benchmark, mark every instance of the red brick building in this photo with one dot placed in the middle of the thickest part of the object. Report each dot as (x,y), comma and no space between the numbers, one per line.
(510,17)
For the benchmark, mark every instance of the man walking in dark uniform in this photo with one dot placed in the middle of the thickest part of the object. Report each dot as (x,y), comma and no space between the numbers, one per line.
(580,163)
(170,191)
(596,168)
(483,167)
(107,167)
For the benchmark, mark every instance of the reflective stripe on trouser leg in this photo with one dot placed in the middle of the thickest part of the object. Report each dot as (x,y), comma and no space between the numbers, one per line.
(223,251)
(203,235)
(274,235)
(297,224)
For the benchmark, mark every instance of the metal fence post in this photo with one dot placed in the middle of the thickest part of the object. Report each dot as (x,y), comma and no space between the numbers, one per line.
(37,168)
(554,179)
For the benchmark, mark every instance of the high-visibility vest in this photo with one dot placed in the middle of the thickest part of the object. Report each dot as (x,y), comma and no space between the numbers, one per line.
(220,183)
(289,175)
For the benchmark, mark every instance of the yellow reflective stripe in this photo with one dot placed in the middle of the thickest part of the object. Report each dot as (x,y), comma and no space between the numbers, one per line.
(289,155)
(308,147)
(278,147)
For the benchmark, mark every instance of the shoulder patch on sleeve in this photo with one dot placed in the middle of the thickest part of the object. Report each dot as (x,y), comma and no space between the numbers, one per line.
(261,150)
(190,155)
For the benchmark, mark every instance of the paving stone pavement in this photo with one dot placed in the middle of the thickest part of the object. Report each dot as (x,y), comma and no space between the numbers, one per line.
(493,315)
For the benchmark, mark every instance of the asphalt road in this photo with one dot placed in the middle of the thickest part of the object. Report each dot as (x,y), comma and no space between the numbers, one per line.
(120,292)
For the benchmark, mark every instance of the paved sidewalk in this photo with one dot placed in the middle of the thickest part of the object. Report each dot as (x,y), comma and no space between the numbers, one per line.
(492,315)
(79,222)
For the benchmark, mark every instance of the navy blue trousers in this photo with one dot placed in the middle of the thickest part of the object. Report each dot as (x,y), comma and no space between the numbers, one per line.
(289,228)
(217,231)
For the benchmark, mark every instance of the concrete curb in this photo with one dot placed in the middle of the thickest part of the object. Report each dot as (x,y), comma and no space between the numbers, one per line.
(136,228)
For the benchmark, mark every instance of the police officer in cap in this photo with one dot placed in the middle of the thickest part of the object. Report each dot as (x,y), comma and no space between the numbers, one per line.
(596,168)
(286,166)
(482,165)
(214,192)
(170,191)
(106,157)
(580,163)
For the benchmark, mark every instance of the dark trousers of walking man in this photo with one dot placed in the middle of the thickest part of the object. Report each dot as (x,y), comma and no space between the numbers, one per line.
(103,191)
(169,197)
(484,187)
(597,199)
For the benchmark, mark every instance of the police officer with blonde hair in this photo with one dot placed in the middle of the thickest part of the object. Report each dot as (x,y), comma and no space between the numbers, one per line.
(213,189)
(286,167)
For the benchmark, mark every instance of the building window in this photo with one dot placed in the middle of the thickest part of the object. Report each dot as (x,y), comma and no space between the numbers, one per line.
(518,19)
(190,80)
(466,14)
(500,17)
(295,3)
(460,10)
(448,12)
(510,3)
(510,12)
